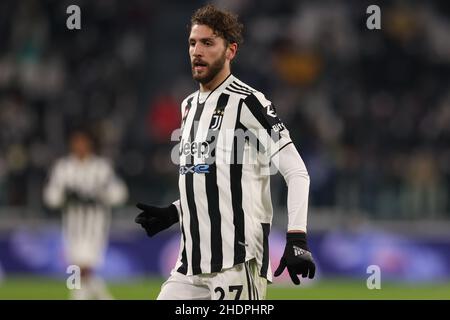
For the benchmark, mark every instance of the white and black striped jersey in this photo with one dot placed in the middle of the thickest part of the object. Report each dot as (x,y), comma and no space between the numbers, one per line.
(84,190)
(93,178)
(227,142)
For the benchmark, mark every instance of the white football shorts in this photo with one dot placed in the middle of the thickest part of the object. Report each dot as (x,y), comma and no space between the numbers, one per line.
(241,282)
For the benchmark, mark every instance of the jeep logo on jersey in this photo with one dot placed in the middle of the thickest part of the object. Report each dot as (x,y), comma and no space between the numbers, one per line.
(198,168)
(271,111)
(198,149)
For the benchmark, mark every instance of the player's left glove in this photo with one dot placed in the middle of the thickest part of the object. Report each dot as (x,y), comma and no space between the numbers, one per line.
(297,258)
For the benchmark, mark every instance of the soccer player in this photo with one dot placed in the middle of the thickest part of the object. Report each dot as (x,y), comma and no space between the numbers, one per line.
(230,137)
(85,187)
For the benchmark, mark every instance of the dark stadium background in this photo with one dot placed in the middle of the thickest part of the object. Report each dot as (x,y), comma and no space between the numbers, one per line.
(369,111)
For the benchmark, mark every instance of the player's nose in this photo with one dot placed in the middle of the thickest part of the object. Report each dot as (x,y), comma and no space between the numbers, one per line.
(196,51)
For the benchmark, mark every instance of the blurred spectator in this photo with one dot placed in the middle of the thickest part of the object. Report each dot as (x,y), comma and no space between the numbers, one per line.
(368,109)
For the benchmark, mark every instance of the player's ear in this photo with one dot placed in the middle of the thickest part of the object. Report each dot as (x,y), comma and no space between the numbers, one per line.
(231,51)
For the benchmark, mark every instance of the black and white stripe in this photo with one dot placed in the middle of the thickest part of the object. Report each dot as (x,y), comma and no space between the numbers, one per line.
(239,89)
(222,210)
(85,223)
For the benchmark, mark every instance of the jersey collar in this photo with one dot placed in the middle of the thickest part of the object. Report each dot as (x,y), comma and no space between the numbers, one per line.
(218,90)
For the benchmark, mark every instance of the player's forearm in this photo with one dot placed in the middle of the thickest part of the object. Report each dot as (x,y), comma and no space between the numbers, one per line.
(294,171)
(116,193)
(53,196)
(298,191)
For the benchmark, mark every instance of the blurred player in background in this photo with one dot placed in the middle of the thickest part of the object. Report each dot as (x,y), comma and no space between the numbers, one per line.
(225,208)
(85,187)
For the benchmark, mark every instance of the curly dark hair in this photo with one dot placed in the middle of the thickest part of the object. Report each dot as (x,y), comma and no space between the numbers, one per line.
(224,23)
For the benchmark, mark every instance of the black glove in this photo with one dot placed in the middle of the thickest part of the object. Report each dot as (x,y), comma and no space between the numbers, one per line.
(155,219)
(297,258)
(74,197)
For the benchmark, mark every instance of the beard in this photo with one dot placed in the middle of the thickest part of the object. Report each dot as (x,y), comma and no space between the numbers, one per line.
(211,70)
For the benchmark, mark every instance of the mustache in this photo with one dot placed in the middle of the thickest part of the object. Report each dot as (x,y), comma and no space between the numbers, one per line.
(199,62)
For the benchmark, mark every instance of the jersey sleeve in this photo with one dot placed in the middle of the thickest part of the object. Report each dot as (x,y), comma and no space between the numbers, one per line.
(293,169)
(260,117)
(54,190)
(114,191)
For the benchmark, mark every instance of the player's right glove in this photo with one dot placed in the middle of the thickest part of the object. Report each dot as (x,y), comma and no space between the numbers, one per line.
(296,258)
(155,219)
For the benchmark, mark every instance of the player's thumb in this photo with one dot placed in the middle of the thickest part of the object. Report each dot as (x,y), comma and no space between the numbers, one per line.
(280,267)
(139,219)
(144,207)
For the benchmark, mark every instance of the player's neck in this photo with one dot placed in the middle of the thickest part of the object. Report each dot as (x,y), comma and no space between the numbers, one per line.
(82,157)
(216,81)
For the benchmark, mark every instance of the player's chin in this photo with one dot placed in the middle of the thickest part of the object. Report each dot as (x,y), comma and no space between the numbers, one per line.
(200,76)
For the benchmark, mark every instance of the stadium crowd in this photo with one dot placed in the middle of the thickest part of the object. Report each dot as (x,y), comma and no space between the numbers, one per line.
(368,109)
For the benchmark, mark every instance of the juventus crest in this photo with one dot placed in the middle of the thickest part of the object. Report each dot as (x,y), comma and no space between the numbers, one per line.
(216,120)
